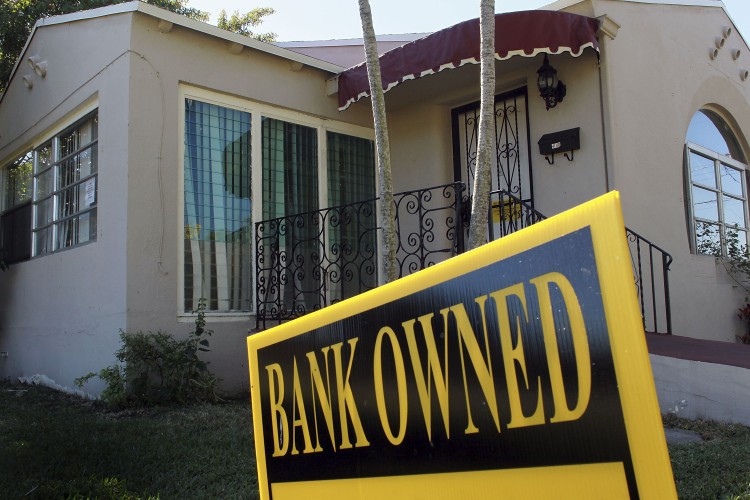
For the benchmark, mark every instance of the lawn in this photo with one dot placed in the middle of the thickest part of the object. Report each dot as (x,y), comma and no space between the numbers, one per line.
(58,446)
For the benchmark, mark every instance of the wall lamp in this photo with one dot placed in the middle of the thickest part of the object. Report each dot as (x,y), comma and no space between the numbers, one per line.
(40,67)
(551,89)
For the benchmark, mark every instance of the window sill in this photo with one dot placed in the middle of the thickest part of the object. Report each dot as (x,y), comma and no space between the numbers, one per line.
(217,317)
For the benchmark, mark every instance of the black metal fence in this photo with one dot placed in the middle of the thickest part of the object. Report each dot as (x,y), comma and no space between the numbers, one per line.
(651,268)
(307,261)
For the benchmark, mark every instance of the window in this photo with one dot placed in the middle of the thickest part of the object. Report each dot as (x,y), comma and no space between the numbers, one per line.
(351,179)
(290,168)
(15,207)
(65,188)
(716,184)
(295,157)
(218,229)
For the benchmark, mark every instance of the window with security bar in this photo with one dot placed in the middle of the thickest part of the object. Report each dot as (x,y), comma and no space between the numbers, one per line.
(65,188)
(218,226)
(308,251)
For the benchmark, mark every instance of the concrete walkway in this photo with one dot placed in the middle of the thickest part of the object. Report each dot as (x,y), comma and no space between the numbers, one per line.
(681,436)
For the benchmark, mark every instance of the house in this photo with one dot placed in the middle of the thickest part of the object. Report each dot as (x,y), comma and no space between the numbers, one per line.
(179,162)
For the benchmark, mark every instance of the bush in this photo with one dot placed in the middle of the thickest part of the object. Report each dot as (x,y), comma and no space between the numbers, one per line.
(155,368)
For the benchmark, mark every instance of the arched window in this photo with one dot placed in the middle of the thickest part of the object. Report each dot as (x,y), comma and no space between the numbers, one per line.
(716,175)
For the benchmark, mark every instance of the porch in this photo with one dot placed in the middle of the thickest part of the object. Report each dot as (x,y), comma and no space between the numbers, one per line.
(307,261)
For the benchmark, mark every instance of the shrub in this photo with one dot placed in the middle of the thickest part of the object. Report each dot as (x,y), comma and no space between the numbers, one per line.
(155,368)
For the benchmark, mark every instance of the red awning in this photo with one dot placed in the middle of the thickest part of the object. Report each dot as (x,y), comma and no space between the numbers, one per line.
(525,34)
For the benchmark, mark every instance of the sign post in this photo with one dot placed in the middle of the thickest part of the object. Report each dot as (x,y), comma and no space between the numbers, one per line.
(519,368)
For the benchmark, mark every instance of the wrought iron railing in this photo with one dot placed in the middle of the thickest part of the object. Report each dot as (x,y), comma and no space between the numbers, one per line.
(307,261)
(509,214)
(650,262)
(651,268)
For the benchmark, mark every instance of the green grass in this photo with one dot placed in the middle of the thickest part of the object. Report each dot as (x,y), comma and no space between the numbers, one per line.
(56,446)
(719,467)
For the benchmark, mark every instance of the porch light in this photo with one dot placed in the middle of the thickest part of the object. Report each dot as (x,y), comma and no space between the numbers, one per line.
(551,89)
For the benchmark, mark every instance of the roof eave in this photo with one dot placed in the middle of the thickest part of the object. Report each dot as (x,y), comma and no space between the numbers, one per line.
(177,19)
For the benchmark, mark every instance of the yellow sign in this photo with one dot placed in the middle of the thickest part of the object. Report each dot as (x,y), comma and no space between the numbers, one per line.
(507,211)
(519,368)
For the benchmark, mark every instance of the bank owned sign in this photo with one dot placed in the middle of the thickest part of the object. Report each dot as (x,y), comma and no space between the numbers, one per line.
(518,370)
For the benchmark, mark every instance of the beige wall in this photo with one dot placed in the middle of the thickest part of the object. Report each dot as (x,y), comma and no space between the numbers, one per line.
(659,74)
(420,127)
(183,56)
(633,114)
(655,74)
(61,313)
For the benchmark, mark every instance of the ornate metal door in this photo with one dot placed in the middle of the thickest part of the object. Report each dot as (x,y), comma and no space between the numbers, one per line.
(511,168)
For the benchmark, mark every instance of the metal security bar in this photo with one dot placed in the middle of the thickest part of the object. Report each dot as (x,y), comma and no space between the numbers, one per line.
(307,261)
(651,268)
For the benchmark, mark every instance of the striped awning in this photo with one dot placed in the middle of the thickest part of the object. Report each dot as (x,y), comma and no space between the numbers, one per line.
(523,34)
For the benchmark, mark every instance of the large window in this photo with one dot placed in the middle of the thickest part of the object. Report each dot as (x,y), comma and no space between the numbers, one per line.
(716,185)
(295,157)
(218,244)
(351,179)
(65,188)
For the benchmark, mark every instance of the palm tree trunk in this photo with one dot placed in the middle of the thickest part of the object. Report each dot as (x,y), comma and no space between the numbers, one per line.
(388,240)
(485,142)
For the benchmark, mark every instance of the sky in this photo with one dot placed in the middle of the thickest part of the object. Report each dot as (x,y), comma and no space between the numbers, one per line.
(333,19)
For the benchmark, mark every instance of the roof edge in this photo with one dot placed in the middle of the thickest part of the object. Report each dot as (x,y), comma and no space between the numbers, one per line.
(192,24)
(562,4)
(247,41)
(342,42)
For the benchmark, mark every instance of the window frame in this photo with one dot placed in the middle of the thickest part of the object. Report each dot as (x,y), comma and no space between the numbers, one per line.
(85,110)
(257,111)
(56,162)
(718,159)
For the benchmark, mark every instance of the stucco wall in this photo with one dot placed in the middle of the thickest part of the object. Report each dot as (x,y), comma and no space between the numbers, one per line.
(60,314)
(183,56)
(420,127)
(633,112)
(659,74)
(693,389)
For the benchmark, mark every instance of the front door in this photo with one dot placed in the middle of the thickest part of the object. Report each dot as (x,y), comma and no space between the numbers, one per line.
(511,162)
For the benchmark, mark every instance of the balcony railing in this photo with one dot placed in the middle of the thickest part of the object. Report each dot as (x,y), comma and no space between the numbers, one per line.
(307,261)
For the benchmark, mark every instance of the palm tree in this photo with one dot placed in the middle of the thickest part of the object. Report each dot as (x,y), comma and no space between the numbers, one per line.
(483,174)
(388,240)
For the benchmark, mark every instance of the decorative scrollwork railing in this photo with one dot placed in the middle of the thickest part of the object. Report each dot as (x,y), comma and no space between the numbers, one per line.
(307,261)
(509,214)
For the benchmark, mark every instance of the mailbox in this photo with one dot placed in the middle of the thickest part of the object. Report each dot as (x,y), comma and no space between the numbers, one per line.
(565,141)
